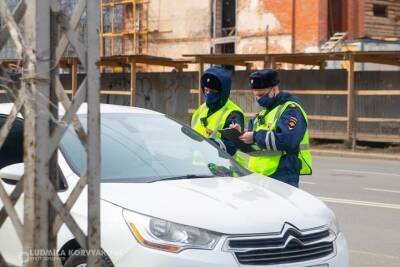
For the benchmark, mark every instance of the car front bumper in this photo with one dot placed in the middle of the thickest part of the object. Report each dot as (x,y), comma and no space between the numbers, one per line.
(142,256)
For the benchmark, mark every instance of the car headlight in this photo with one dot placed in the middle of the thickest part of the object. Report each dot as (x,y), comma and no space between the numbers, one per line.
(334,225)
(168,236)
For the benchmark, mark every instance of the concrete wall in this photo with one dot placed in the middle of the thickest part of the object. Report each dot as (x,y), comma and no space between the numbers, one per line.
(190,27)
(166,92)
(188,24)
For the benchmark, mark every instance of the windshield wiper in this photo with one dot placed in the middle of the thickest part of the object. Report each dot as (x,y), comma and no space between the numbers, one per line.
(187,176)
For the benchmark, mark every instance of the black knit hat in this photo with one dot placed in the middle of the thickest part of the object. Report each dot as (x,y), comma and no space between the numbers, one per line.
(263,79)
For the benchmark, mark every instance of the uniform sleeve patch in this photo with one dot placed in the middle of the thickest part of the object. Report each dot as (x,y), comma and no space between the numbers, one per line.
(292,123)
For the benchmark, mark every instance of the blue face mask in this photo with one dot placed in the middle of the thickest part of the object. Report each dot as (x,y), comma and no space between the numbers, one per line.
(212,99)
(266,102)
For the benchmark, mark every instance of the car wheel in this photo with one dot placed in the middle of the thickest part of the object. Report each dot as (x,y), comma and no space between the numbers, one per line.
(79,260)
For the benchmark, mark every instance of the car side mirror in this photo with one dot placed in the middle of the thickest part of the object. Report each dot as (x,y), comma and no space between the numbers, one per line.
(12,172)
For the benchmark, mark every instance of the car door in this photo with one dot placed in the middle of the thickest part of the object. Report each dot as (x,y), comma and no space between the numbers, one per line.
(11,153)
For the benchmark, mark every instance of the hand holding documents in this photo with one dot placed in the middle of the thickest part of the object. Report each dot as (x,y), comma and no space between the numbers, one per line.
(233,135)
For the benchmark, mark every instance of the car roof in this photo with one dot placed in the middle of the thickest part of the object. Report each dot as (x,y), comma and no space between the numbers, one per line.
(5,108)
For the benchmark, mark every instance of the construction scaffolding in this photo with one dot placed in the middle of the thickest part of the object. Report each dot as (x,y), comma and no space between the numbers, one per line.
(124,27)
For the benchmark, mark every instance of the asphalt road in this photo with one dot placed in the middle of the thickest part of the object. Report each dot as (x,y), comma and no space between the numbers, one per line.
(365,196)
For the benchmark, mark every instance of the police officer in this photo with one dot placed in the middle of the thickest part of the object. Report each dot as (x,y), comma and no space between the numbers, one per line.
(218,111)
(279,131)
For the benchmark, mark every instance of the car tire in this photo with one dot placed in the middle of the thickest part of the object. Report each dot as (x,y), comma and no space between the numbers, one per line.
(79,260)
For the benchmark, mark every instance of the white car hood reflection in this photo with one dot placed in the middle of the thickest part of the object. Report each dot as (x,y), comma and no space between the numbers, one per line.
(248,205)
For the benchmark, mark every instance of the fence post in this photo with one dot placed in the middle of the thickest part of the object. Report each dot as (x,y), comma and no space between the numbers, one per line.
(133,84)
(351,138)
(201,71)
(93,124)
(74,76)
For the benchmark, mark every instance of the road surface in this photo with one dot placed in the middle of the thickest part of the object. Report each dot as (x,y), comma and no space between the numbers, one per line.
(365,196)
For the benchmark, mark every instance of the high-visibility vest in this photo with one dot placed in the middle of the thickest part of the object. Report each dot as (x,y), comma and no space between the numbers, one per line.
(266,162)
(215,122)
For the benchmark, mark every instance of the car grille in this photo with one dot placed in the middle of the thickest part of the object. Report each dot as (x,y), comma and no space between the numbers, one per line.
(290,246)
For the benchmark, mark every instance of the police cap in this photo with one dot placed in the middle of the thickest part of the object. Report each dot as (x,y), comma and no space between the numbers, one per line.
(263,79)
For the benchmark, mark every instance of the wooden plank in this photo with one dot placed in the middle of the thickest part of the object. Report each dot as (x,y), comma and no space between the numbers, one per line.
(12,213)
(134,26)
(311,117)
(201,71)
(101,28)
(372,92)
(390,4)
(93,129)
(327,118)
(72,198)
(74,77)
(378,58)
(381,23)
(111,92)
(14,196)
(318,92)
(377,92)
(328,135)
(366,119)
(108,92)
(66,102)
(69,114)
(12,116)
(227,62)
(64,214)
(384,138)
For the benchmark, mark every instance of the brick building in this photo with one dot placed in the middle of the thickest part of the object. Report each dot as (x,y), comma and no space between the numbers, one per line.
(259,26)
(172,28)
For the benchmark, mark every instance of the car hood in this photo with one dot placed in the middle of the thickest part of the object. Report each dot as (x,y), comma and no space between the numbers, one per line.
(247,205)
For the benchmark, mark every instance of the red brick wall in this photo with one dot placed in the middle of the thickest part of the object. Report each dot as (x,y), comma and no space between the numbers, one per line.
(311,23)
(310,20)
(282,10)
(355,18)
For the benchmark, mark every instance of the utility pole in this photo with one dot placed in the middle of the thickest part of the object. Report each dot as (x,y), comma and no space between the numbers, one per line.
(46,35)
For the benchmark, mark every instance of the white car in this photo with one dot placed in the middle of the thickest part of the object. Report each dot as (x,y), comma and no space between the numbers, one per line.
(170,198)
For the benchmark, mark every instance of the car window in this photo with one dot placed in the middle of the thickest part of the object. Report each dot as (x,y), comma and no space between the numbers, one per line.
(12,150)
(147,148)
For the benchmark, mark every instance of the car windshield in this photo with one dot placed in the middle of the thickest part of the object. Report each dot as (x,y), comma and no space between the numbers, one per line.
(148,148)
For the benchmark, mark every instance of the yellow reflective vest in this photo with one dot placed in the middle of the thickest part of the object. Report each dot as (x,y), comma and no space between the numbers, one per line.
(208,127)
(266,162)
